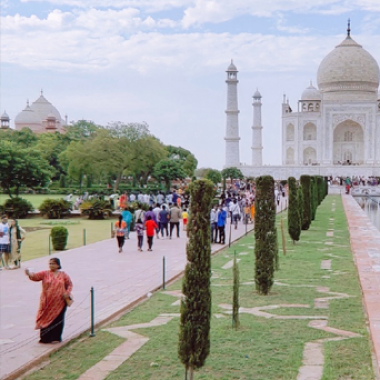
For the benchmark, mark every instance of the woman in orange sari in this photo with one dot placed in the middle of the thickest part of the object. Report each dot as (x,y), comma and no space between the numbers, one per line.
(56,289)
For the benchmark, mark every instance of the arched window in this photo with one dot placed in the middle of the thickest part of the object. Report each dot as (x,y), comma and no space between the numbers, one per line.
(290,132)
(290,156)
(309,132)
(309,156)
(310,107)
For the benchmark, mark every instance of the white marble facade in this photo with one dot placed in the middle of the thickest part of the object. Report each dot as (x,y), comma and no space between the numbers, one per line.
(335,128)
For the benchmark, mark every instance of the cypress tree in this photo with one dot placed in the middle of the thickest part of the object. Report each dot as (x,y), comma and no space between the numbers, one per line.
(266,249)
(313,196)
(194,336)
(306,215)
(235,297)
(321,189)
(300,203)
(294,222)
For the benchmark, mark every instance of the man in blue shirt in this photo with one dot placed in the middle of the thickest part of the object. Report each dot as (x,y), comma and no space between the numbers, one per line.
(222,216)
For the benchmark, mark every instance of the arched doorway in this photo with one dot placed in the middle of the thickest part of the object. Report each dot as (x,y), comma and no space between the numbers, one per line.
(309,156)
(290,156)
(348,143)
(309,132)
(290,132)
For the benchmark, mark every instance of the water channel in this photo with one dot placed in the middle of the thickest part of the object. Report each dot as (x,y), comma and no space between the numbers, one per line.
(371,206)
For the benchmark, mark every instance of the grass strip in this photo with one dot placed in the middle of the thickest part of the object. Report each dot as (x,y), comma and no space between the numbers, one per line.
(270,349)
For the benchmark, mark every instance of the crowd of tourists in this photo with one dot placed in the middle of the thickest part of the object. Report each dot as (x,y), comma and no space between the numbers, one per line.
(160,221)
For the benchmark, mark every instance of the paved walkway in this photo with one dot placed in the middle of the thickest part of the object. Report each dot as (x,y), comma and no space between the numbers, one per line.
(365,246)
(119,279)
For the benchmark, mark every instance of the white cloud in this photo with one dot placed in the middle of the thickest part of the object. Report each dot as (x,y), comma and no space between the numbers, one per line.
(216,11)
(150,5)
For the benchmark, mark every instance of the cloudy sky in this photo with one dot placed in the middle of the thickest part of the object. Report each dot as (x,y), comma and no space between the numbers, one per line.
(164,61)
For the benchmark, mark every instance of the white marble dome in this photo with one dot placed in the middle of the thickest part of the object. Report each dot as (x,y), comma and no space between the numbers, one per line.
(311,93)
(27,116)
(348,67)
(44,108)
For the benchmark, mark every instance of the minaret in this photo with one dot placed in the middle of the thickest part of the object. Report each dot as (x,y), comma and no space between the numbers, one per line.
(257,146)
(232,126)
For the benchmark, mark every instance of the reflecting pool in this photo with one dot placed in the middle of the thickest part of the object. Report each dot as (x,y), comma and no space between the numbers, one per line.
(372,207)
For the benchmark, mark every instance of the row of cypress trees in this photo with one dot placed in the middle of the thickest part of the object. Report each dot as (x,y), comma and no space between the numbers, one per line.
(304,199)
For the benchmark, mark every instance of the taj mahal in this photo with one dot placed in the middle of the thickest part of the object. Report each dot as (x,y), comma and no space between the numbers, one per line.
(335,129)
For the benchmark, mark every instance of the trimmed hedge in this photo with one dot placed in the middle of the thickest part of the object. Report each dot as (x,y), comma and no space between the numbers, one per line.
(59,237)
(55,208)
(16,208)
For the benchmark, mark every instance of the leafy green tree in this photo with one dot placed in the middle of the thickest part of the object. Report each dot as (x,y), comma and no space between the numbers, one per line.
(188,161)
(266,249)
(168,170)
(51,145)
(214,176)
(21,167)
(294,221)
(25,138)
(144,156)
(81,130)
(306,189)
(232,173)
(79,160)
(194,336)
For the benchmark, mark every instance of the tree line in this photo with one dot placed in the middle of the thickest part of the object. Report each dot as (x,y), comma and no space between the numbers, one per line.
(88,154)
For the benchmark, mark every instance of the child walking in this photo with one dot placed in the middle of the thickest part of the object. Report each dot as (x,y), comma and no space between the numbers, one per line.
(150,226)
(139,227)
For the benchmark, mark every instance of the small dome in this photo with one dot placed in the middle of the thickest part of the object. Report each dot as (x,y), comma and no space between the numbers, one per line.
(257,94)
(348,67)
(5,116)
(27,116)
(232,67)
(51,116)
(311,93)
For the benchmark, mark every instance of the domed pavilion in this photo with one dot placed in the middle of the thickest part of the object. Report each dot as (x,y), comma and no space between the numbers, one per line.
(41,116)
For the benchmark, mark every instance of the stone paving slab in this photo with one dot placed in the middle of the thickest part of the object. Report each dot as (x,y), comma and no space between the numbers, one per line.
(365,241)
(119,279)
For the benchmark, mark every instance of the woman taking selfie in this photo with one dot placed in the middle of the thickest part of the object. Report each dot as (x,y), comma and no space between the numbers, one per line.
(55,296)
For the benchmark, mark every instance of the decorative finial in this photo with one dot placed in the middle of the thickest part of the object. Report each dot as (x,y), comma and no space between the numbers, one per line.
(27,102)
(232,61)
(42,92)
(349,29)
(311,83)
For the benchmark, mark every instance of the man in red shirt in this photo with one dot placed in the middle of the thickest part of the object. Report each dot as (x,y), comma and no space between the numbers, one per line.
(150,226)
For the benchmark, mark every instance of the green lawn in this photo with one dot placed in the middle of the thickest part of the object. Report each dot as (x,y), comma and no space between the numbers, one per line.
(262,349)
(36,243)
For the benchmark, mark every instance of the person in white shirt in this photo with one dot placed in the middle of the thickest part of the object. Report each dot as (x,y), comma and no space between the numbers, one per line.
(235,212)
(132,197)
(214,223)
(4,241)
(160,198)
